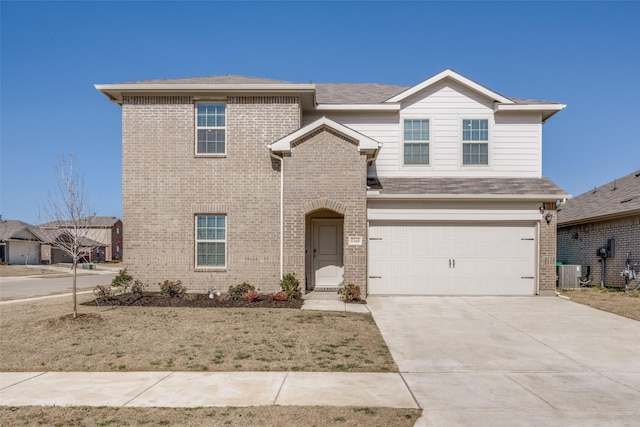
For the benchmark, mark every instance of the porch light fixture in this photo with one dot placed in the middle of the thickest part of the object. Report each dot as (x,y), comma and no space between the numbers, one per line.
(548,217)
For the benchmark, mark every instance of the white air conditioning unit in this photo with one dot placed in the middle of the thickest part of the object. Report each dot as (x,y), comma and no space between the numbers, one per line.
(568,276)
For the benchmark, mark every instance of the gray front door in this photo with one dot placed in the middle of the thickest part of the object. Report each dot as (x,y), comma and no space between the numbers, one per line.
(327,262)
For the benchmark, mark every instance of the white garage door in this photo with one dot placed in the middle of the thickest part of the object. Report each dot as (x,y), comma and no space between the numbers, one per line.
(445,259)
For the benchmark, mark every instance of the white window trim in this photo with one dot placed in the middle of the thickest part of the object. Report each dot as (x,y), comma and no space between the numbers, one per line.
(196,241)
(196,128)
(402,142)
(489,120)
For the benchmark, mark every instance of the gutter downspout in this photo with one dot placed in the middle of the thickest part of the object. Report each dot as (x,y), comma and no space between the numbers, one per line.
(273,156)
(375,155)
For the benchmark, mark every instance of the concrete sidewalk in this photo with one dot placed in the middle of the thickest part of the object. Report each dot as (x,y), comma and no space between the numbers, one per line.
(198,389)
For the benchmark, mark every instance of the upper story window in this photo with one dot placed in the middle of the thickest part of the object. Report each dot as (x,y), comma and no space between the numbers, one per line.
(416,141)
(210,128)
(475,142)
(211,240)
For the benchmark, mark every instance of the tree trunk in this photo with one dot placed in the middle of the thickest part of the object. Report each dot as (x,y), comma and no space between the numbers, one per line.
(75,302)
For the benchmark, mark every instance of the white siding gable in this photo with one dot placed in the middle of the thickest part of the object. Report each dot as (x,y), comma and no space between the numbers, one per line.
(515,140)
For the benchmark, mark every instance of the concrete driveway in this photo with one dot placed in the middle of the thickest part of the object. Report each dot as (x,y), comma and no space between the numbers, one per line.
(516,361)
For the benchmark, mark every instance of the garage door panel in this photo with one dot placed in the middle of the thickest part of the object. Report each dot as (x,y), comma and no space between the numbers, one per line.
(429,259)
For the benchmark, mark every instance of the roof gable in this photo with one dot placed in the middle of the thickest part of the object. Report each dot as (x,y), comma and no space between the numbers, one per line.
(18,230)
(618,198)
(450,74)
(364,142)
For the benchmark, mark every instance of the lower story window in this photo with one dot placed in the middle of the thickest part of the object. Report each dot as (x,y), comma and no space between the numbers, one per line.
(475,154)
(211,240)
(416,153)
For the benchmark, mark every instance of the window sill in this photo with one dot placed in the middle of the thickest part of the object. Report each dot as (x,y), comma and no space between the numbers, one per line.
(415,166)
(210,269)
(211,155)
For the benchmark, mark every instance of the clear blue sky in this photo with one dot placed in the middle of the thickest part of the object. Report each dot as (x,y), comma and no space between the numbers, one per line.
(583,54)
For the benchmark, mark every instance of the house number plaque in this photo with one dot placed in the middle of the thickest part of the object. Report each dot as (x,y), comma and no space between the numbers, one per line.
(355,240)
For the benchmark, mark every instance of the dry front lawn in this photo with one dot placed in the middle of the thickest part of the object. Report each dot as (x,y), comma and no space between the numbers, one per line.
(23,270)
(281,416)
(611,300)
(36,337)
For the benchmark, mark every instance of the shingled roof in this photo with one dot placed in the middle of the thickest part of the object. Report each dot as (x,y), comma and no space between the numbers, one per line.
(10,229)
(326,93)
(618,198)
(355,93)
(225,79)
(534,188)
(91,222)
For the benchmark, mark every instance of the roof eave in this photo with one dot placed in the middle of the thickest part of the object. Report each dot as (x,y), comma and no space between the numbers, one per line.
(375,194)
(358,107)
(115,92)
(600,218)
(547,110)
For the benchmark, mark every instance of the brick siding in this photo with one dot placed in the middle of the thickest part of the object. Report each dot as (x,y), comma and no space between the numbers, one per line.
(165,185)
(325,174)
(547,254)
(577,244)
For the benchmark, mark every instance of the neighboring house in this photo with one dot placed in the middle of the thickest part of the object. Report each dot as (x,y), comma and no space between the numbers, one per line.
(19,243)
(106,230)
(89,250)
(433,189)
(590,220)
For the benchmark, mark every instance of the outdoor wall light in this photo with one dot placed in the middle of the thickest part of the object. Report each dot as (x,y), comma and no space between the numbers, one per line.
(548,217)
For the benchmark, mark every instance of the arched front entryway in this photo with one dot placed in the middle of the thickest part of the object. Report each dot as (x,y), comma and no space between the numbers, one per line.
(325,250)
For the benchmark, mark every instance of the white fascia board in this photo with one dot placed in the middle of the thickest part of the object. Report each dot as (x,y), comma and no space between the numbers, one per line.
(156,87)
(358,107)
(375,194)
(115,91)
(284,144)
(529,107)
(448,73)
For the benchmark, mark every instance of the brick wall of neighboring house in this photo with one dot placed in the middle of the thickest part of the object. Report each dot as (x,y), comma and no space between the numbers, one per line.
(325,173)
(547,257)
(116,240)
(165,185)
(577,244)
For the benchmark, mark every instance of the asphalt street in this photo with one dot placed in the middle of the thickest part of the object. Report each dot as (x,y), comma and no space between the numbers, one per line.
(27,287)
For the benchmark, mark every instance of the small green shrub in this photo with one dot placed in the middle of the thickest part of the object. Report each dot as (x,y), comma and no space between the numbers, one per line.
(172,289)
(279,296)
(252,296)
(122,281)
(235,292)
(349,293)
(290,286)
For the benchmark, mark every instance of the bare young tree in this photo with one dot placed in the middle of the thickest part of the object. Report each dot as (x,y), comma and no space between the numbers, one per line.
(69,217)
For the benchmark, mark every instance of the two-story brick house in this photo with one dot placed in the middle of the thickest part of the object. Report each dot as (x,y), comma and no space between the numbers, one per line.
(431,189)
(104,230)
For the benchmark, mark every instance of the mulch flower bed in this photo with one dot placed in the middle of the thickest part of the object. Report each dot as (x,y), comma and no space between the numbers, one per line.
(155,299)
